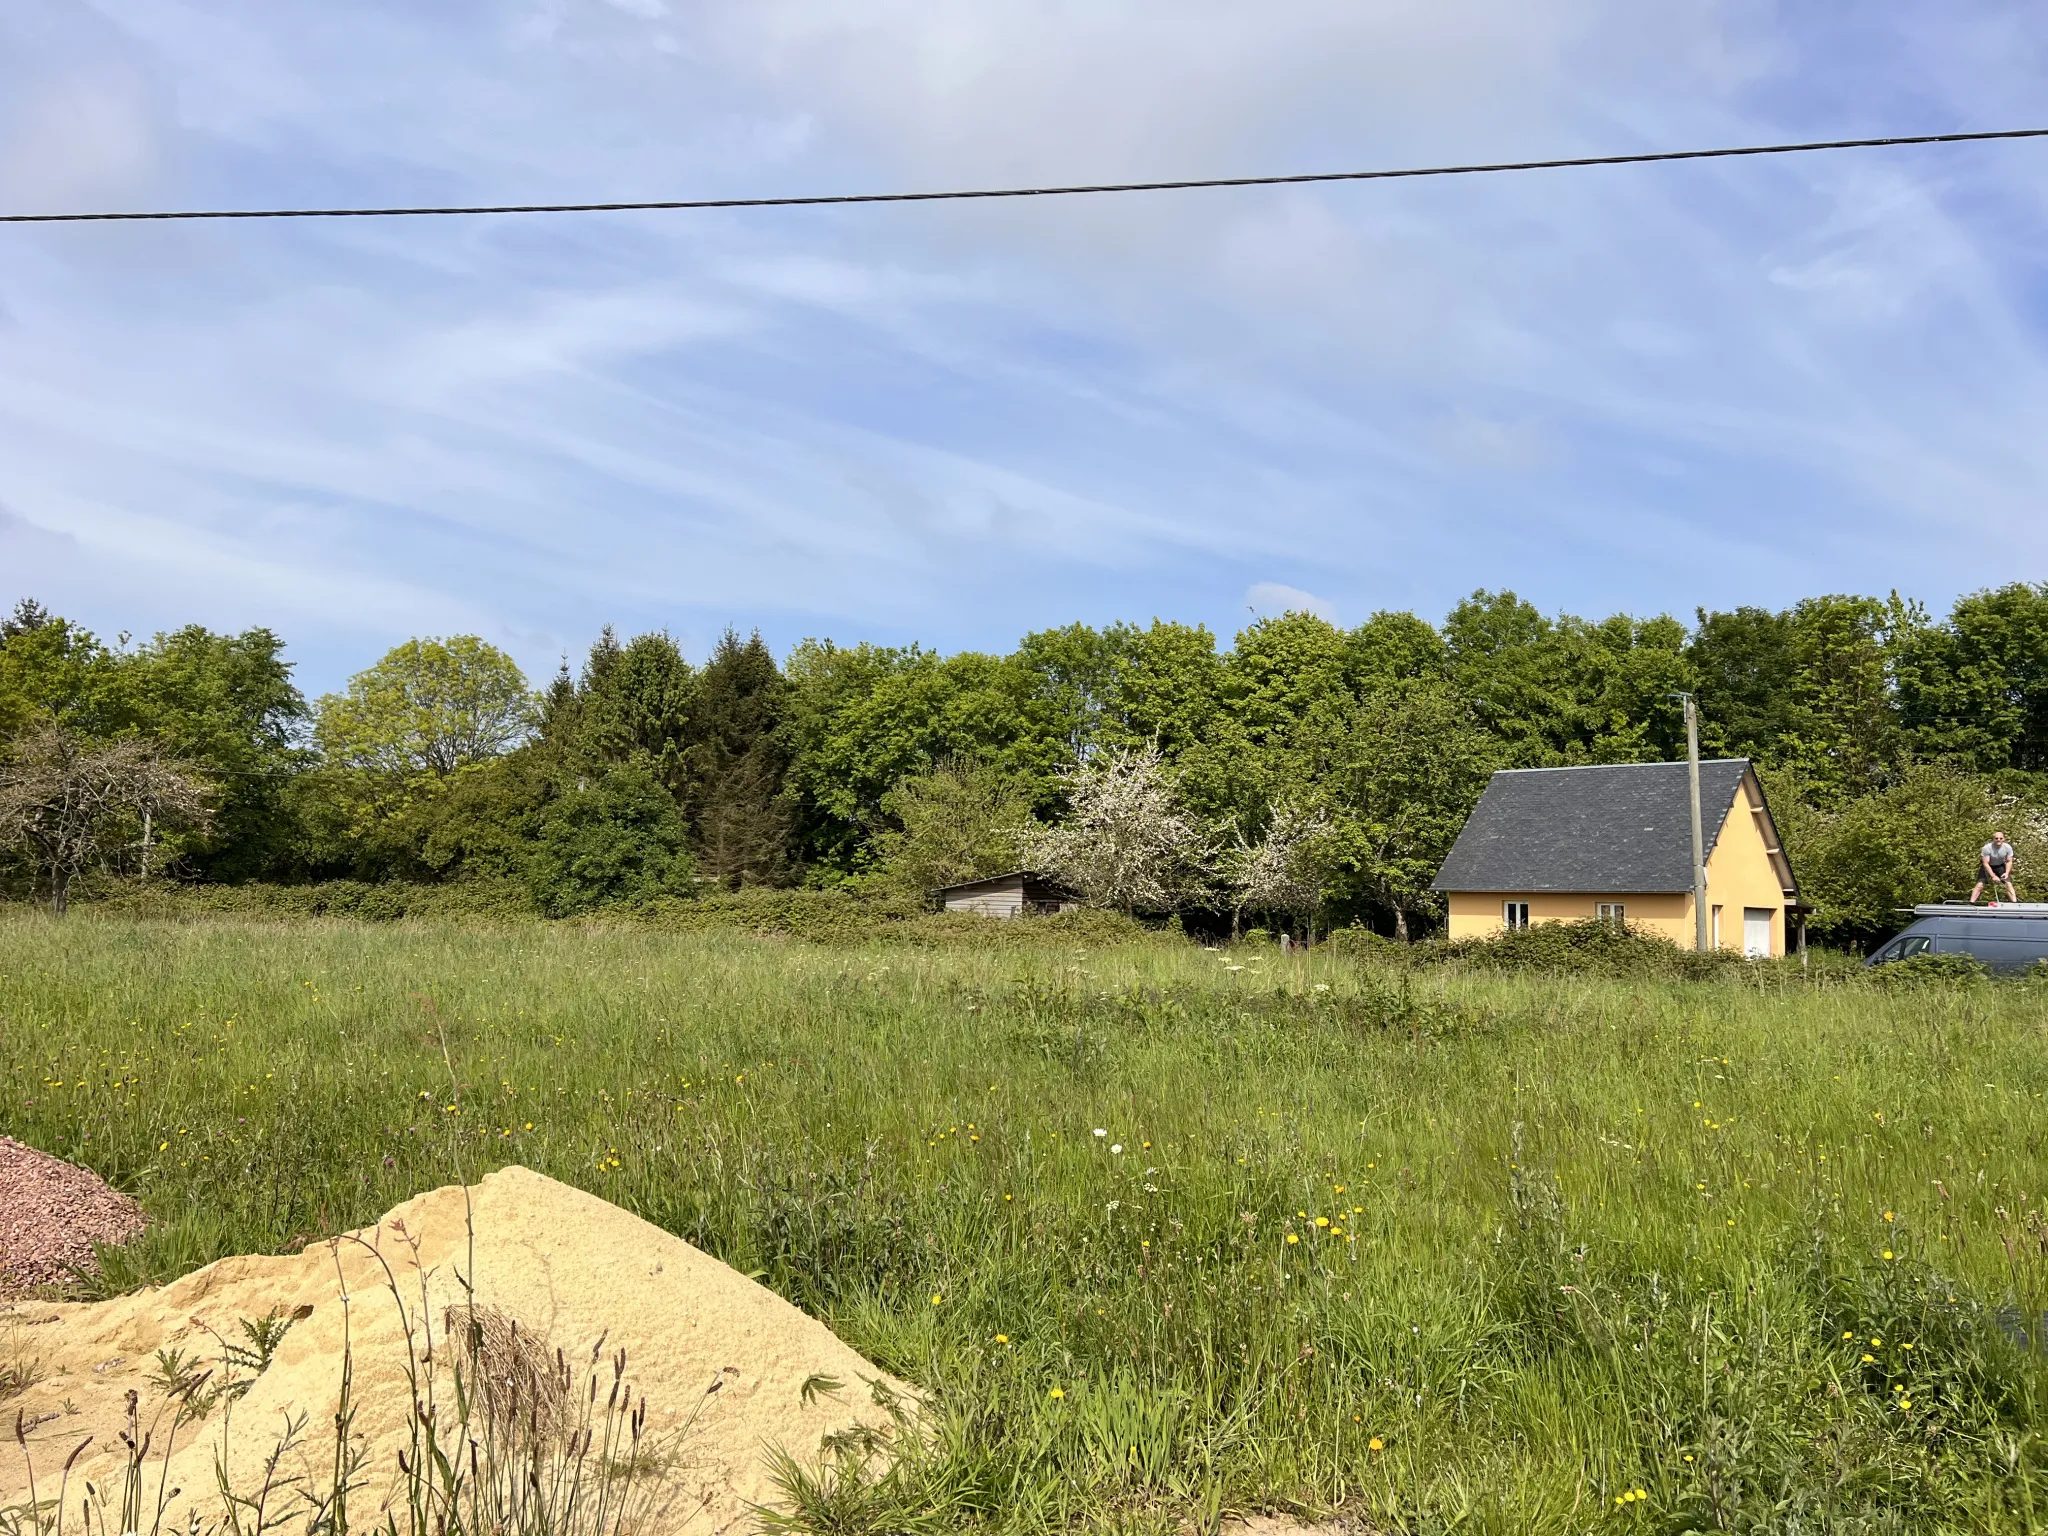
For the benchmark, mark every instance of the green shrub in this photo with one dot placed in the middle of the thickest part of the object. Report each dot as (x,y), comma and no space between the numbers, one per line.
(1930,971)
(1588,947)
(619,840)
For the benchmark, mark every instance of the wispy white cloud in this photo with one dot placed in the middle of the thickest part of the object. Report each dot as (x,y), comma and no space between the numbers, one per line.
(1631,388)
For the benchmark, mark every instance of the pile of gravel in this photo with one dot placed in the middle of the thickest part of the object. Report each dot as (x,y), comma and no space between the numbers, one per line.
(51,1214)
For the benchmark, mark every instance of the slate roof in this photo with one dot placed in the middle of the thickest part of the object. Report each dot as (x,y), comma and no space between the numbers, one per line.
(1622,828)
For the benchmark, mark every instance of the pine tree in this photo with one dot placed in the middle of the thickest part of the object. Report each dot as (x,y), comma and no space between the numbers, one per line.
(735,763)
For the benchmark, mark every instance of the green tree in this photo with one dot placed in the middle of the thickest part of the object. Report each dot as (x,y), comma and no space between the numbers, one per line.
(959,820)
(863,718)
(428,709)
(226,705)
(51,669)
(1409,767)
(619,838)
(1394,648)
(632,704)
(1976,687)
(1570,690)
(735,763)
(1746,670)
(1862,860)
(1845,738)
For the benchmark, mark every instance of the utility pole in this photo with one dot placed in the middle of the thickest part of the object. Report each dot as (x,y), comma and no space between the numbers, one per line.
(1702,933)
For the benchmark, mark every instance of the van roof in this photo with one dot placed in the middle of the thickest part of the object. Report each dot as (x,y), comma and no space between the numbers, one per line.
(1970,909)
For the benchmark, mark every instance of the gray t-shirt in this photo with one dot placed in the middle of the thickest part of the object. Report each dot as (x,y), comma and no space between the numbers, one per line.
(2000,854)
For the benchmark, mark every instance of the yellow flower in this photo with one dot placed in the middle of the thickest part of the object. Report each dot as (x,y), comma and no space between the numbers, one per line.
(1887,1253)
(1322,1221)
(1869,1359)
(1887,1215)
(1292,1238)
(1002,1338)
(1056,1392)
(937,1298)
(1375,1444)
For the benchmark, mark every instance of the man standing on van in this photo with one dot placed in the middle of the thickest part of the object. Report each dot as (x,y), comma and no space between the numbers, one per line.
(1996,858)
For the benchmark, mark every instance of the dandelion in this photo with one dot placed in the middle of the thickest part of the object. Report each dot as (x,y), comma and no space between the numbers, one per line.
(1887,1253)
(1887,1215)
(1292,1238)
(1002,1338)
(1322,1221)
(1057,1393)
(1375,1444)
(937,1298)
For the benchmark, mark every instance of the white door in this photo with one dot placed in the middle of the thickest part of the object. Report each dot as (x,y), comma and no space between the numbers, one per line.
(1756,931)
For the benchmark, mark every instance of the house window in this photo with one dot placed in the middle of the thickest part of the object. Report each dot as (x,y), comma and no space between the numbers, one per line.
(1717,927)
(1610,912)
(1514,914)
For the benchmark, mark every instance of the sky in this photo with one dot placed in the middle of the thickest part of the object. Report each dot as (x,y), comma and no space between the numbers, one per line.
(1641,389)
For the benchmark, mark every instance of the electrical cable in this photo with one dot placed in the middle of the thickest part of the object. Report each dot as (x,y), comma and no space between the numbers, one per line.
(821,200)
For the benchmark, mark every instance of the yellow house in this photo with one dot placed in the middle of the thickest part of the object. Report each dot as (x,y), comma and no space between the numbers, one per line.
(1552,845)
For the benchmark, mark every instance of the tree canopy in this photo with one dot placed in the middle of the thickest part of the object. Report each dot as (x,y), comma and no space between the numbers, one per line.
(1300,769)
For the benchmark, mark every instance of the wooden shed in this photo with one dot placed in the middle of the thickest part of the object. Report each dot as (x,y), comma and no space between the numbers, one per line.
(1020,893)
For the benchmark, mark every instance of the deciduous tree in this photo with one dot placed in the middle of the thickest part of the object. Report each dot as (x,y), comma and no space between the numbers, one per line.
(69,804)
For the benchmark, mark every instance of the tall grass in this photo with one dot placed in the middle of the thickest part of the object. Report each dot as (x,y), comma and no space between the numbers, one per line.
(1166,1232)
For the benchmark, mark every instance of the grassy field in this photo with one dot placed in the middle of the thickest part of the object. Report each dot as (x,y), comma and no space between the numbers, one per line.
(1164,1230)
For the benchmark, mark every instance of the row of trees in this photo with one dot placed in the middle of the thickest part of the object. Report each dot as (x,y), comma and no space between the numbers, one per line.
(1304,768)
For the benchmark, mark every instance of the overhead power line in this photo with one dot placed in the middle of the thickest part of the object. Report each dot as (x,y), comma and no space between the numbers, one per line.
(821,200)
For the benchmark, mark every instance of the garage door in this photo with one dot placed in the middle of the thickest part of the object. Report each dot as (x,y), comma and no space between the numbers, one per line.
(1756,931)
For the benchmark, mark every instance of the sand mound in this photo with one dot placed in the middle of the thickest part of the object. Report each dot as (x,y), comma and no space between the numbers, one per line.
(724,1370)
(51,1214)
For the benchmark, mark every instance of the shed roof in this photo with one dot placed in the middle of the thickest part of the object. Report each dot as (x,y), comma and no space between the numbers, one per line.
(1025,877)
(1622,827)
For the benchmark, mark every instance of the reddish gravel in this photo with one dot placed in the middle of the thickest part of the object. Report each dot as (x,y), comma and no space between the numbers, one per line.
(51,1213)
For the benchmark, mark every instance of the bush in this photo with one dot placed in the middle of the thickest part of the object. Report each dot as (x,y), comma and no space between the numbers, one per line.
(1589,947)
(366,901)
(620,840)
(1930,971)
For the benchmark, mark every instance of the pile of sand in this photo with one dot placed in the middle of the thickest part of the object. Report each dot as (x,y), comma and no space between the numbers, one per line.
(51,1214)
(722,1364)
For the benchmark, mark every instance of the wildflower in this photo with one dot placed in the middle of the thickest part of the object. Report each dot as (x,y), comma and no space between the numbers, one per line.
(1887,1215)
(1887,1253)
(937,1298)
(1322,1221)
(1056,1393)
(1099,1131)
(1292,1238)
(1116,1147)
(1869,1359)
(1375,1444)
(1002,1338)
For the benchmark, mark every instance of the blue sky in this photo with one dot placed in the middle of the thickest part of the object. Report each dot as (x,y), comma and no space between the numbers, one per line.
(1638,389)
